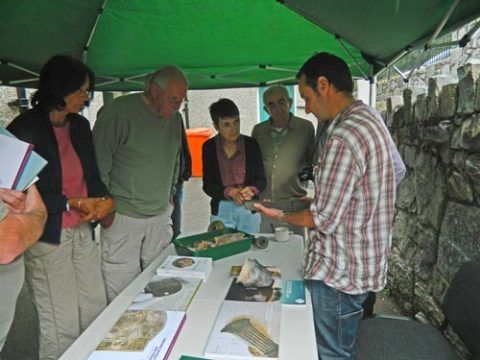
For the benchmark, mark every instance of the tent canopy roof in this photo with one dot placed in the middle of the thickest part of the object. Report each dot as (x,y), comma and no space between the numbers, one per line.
(219,43)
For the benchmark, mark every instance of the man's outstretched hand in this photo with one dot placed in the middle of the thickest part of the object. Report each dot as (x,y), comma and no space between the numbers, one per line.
(270,212)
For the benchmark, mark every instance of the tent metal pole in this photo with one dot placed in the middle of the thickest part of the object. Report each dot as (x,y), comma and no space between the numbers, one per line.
(399,72)
(21,68)
(338,38)
(237,72)
(266,67)
(13,82)
(90,37)
(440,26)
(393,61)
(279,80)
(443,22)
(129,78)
(108,83)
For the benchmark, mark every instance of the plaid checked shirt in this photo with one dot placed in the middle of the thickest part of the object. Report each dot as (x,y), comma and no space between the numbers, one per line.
(353,204)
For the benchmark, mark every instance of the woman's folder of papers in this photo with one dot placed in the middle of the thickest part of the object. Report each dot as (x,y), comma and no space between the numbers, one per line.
(20,165)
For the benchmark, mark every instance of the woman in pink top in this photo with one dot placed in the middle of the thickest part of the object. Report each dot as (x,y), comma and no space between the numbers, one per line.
(63,268)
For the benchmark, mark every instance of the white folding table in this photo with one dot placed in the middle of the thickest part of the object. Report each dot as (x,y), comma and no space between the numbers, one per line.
(297,336)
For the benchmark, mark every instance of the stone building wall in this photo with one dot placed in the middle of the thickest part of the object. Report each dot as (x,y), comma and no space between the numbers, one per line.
(7,113)
(437,224)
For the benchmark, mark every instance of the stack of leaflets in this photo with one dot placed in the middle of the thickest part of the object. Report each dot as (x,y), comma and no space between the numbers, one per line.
(20,164)
(165,292)
(186,266)
(245,330)
(141,335)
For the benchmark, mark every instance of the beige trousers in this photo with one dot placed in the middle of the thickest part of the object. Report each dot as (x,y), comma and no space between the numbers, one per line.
(11,281)
(67,288)
(129,245)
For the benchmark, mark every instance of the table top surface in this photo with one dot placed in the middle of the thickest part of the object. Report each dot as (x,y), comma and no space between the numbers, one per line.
(297,335)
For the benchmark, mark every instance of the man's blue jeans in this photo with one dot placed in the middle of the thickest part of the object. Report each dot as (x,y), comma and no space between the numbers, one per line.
(336,316)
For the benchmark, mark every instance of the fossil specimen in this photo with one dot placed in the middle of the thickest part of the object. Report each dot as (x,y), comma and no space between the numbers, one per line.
(134,330)
(217,241)
(258,339)
(254,274)
(164,287)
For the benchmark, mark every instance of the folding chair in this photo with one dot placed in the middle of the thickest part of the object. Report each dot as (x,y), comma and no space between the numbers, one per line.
(398,338)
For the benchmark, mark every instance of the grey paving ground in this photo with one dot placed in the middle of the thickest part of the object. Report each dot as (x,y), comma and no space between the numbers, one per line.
(22,343)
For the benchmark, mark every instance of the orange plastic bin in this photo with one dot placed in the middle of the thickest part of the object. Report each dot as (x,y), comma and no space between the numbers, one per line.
(196,138)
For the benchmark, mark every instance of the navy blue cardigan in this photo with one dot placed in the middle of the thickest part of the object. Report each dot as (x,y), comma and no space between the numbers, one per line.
(34,127)
(212,180)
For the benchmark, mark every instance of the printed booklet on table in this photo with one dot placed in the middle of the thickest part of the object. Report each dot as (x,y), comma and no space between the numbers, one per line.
(245,330)
(141,335)
(186,266)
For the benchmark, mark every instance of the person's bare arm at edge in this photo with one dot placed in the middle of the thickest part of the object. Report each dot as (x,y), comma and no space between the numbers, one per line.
(20,229)
(299,218)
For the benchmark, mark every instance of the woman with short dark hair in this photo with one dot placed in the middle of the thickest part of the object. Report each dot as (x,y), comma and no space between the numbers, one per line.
(63,268)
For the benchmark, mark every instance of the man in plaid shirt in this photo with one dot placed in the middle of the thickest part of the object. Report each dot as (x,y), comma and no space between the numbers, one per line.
(350,217)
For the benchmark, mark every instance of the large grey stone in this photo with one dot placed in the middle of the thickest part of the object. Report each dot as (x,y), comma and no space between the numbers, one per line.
(430,189)
(397,118)
(447,101)
(433,110)
(458,160)
(477,99)
(459,188)
(446,154)
(472,169)
(409,156)
(426,303)
(420,109)
(439,134)
(388,113)
(470,133)
(467,77)
(424,256)
(403,232)
(459,239)
(456,142)
(406,193)
(407,106)
(401,280)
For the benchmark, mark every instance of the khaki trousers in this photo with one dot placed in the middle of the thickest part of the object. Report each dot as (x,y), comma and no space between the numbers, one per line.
(11,281)
(268,225)
(67,288)
(129,245)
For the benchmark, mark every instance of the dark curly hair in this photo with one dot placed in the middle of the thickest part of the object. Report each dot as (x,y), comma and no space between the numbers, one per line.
(60,76)
(223,108)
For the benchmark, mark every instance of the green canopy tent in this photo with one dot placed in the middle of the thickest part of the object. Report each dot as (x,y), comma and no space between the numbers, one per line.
(219,43)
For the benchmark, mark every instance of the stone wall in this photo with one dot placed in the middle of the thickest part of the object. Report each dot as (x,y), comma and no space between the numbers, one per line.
(437,225)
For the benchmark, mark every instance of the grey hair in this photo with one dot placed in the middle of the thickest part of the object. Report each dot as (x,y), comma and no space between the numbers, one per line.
(162,76)
(275,89)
